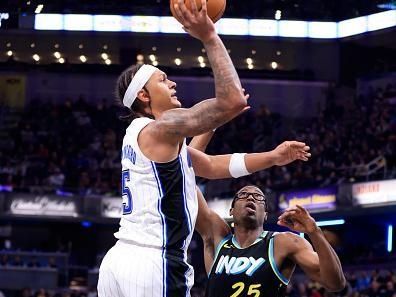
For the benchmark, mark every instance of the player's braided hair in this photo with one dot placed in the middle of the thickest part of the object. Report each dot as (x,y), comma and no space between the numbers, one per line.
(123,81)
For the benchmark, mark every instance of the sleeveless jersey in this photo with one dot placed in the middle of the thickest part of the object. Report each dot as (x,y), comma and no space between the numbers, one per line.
(250,271)
(159,199)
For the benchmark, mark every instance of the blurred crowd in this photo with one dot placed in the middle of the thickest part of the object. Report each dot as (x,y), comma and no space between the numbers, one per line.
(75,146)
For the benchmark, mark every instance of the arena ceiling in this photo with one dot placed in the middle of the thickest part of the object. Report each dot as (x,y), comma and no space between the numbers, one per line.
(320,10)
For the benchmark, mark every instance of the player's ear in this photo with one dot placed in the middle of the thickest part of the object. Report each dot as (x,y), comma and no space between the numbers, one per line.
(143,96)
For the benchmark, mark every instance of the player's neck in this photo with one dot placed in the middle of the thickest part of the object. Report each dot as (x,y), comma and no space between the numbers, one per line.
(246,237)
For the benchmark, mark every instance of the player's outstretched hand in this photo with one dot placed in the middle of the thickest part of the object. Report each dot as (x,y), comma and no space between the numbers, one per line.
(196,22)
(298,219)
(290,151)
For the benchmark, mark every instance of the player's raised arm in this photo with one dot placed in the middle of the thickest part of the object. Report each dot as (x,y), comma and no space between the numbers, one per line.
(237,165)
(175,124)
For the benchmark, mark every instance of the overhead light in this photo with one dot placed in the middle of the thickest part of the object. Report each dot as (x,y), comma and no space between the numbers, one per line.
(155,63)
(254,52)
(32,45)
(278,14)
(36,57)
(104,56)
(249,61)
(61,60)
(278,53)
(330,223)
(57,55)
(250,66)
(105,46)
(83,58)
(39,8)
(178,49)
(140,57)
(202,65)
(9,53)
(228,50)
(274,65)
(108,62)
(28,3)
(8,44)
(203,50)
(178,61)
(152,58)
(56,45)
(390,238)
(154,48)
(201,59)
(81,45)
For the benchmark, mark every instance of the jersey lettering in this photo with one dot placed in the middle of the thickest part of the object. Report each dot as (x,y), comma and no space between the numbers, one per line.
(238,265)
(129,153)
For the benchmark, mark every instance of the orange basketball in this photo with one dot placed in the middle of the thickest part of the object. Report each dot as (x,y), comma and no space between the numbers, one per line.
(215,8)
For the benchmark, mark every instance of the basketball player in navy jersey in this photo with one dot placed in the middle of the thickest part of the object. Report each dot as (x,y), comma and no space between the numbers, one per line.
(158,170)
(255,262)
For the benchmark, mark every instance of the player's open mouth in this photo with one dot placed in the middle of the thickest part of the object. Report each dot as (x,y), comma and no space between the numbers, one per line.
(251,206)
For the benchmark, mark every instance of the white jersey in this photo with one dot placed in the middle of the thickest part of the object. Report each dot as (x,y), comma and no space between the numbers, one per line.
(159,199)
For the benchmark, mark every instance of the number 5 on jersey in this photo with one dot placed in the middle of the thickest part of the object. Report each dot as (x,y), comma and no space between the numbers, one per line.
(126,206)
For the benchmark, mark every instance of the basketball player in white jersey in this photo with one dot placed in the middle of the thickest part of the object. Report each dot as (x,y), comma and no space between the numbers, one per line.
(158,170)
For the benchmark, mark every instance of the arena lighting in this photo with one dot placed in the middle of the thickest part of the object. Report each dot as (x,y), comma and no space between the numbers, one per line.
(278,14)
(86,224)
(201,59)
(57,55)
(104,56)
(202,65)
(108,62)
(152,58)
(83,58)
(330,223)
(225,26)
(9,53)
(140,57)
(274,65)
(39,8)
(178,61)
(155,63)
(32,45)
(61,60)
(36,57)
(250,66)
(8,44)
(249,61)
(390,239)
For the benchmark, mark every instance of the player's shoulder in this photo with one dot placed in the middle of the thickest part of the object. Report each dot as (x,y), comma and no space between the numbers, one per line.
(287,238)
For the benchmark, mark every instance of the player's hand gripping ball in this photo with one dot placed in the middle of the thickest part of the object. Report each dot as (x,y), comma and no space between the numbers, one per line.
(215,8)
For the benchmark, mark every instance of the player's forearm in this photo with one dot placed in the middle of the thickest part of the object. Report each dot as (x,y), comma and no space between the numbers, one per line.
(227,84)
(200,142)
(220,164)
(331,274)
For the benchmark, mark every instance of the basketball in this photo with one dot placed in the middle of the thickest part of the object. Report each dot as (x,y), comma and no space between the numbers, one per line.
(215,8)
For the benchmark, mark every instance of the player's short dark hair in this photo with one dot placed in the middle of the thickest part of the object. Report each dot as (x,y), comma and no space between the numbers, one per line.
(123,81)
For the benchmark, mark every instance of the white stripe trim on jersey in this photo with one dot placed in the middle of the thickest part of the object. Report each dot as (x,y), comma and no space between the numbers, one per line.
(161,194)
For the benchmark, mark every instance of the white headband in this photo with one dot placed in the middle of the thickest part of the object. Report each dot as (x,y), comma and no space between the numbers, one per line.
(138,81)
